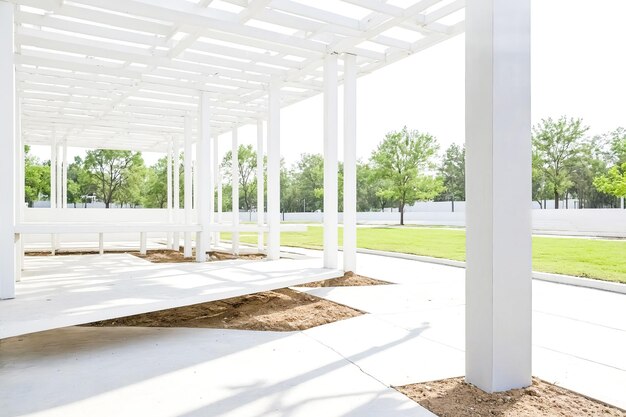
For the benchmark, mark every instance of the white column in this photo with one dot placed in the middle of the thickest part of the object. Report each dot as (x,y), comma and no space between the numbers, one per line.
(330,162)
(621,202)
(234,173)
(273,170)
(349,163)
(20,176)
(53,171)
(64,176)
(498,216)
(217,205)
(8,244)
(170,236)
(176,157)
(59,175)
(218,170)
(203,160)
(260,183)
(188,175)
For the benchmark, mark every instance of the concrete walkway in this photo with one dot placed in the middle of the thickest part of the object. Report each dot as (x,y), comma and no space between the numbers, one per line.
(414,332)
(58,291)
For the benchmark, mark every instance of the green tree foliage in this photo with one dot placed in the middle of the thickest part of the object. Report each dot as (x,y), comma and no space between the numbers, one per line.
(36,178)
(452,173)
(112,171)
(81,183)
(155,185)
(613,182)
(246,157)
(404,158)
(557,144)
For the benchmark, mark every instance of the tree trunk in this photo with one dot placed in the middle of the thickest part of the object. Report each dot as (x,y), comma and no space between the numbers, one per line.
(540,205)
(401,214)
(452,204)
(107,204)
(556,200)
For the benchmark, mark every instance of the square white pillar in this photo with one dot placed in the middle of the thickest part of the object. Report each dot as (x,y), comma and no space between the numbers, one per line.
(234,173)
(170,214)
(176,157)
(217,192)
(260,183)
(273,170)
(64,176)
(349,163)
(188,184)
(203,167)
(498,216)
(331,245)
(8,243)
(53,172)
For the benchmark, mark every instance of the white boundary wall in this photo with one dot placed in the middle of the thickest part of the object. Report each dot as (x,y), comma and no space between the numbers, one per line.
(587,222)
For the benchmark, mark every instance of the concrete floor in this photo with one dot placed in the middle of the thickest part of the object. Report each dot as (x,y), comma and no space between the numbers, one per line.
(64,290)
(414,333)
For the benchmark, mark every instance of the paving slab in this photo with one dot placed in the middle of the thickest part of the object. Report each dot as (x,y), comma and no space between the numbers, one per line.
(62,291)
(391,354)
(77,372)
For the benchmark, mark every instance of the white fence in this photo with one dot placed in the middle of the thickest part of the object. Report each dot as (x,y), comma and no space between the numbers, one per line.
(587,222)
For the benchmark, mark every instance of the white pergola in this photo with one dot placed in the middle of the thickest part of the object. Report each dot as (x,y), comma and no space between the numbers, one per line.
(161,75)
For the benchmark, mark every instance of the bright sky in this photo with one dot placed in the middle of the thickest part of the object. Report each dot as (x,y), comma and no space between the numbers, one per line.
(578,69)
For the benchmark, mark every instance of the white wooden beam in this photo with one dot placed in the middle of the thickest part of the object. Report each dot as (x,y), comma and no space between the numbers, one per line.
(330,162)
(8,246)
(349,164)
(498,214)
(273,170)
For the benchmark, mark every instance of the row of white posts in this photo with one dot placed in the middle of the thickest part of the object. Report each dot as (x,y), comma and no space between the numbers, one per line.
(498,280)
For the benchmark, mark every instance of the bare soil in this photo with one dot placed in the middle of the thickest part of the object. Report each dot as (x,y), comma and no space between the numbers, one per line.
(279,310)
(158,255)
(173,256)
(349,279)
(456,398)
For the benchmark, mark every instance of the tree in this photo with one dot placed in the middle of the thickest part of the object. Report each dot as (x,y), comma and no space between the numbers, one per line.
(155,185)
(452,172)
(308,182)
(80,182)
(36,178)
(557,144)
(403,158)
(112,171)
(246,157)
(614,182)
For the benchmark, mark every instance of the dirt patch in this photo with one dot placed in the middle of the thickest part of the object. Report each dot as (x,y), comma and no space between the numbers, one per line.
(349,279)
(159,255)
(172,256)
(279,310)
(456,398)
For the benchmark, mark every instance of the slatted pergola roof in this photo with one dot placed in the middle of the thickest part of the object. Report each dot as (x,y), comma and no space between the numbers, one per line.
(122,74)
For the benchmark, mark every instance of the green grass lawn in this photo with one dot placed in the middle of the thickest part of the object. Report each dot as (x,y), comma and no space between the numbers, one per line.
(591,258)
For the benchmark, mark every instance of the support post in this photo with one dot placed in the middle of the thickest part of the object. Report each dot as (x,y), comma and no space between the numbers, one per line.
(203,161)
(234,173)
(217,205)
(273,170)
(176,157)
(8,242)
(188,175)
(218,215)
(170,235)
(59,175)
(349,163)
(143,243)
(20,199)
(330,162)
(498,141)
(53,171)
(260,183)
(101,243)
(64,176)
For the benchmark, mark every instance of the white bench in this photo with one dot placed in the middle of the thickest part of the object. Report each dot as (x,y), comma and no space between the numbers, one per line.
(55,228)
